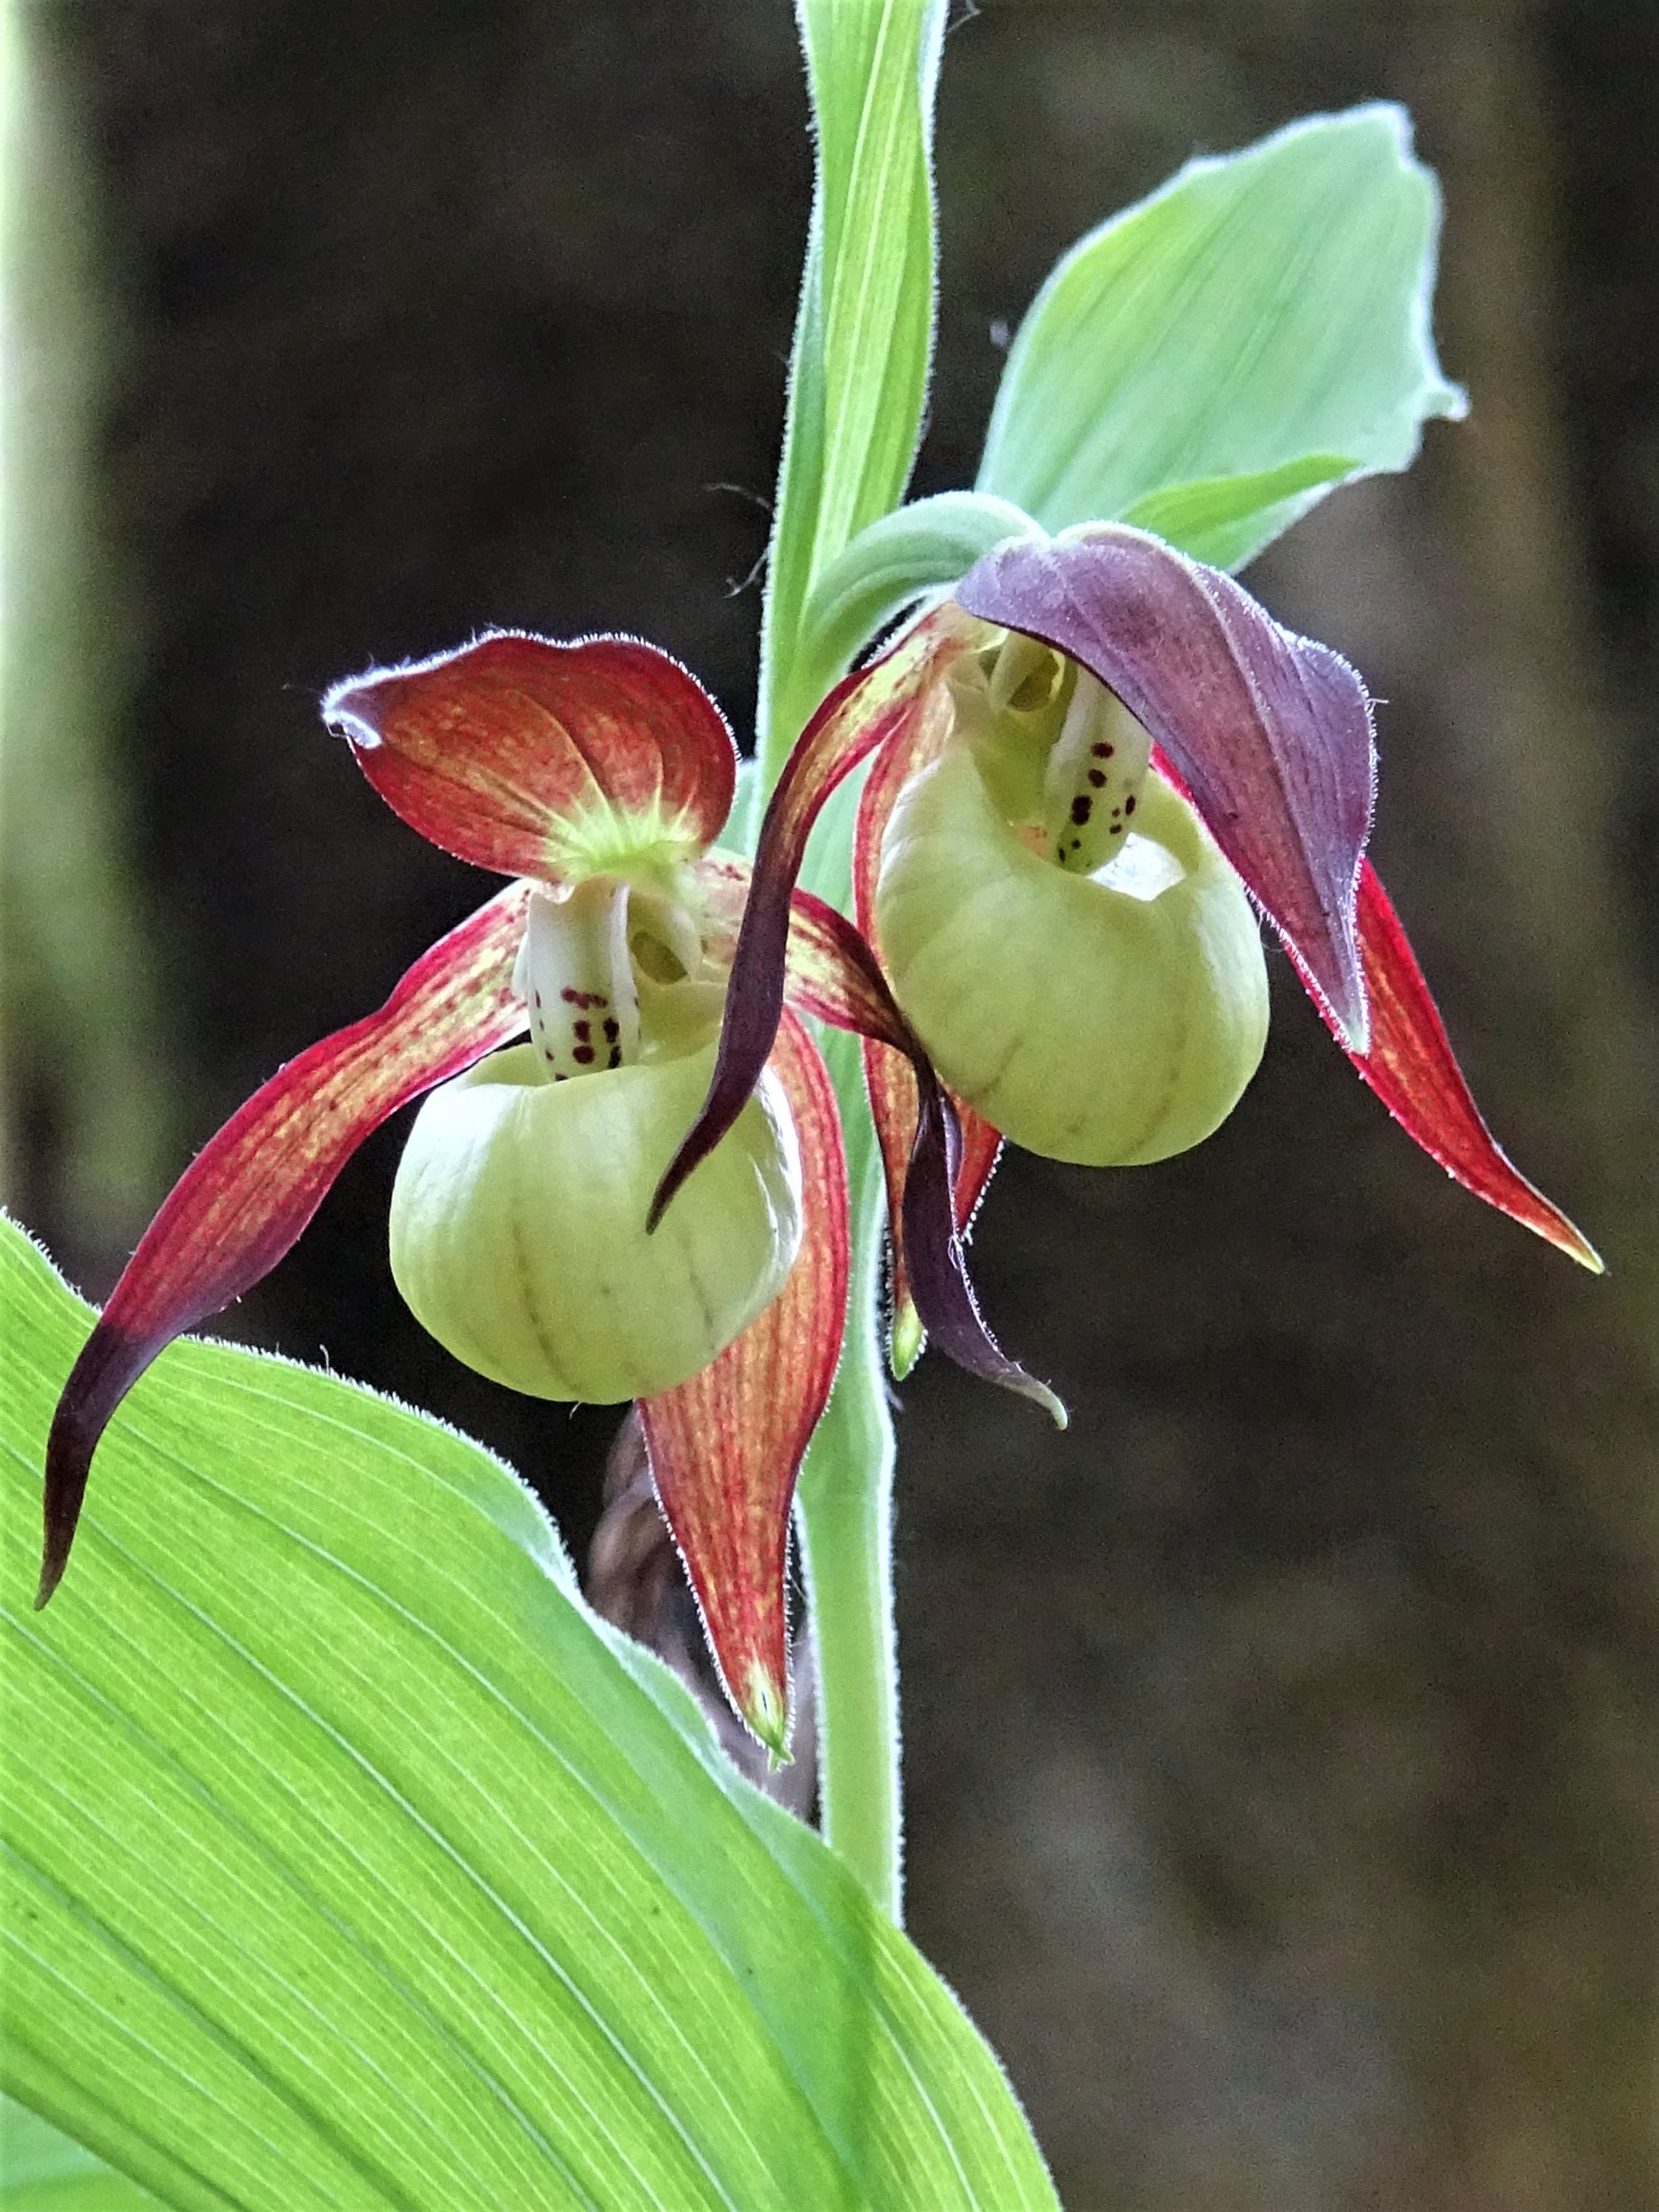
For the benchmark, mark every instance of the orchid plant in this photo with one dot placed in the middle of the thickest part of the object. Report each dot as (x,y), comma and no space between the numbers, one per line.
(1091,760)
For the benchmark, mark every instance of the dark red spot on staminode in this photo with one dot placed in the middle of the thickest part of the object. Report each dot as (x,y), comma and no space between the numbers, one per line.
(1128,805)
(572,996)
(1082,807)
(613,1029)
(582,1056)
(1097,776)
(1102,751)
(583,1030)
(616,1056)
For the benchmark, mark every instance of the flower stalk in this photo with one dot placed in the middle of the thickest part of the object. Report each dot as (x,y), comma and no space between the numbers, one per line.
(858,382)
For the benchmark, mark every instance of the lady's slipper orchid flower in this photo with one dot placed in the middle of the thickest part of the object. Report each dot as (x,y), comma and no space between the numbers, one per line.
(1083,760)
(597,775)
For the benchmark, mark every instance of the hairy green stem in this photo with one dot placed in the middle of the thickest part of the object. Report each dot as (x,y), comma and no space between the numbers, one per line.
(857,380)
(846,1529)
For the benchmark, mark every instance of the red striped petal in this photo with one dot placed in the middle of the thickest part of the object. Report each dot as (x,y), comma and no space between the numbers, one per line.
(1412,1068)
(726,1448)
(1270,733)
(244,1199)
(538,759)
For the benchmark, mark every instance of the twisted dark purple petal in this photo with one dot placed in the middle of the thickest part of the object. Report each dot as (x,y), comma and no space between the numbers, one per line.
(938,1270)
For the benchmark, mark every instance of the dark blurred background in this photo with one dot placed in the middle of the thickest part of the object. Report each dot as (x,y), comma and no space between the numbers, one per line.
(1280,1743)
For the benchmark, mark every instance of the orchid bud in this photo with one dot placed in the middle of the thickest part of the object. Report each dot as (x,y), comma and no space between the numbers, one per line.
(1080,962)
(518,1219)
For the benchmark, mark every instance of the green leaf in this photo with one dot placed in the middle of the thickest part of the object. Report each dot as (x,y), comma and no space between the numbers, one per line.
(1260,312)
(347,1861)
(864,334)
(31,2150)
(1220,518)
(41,2170)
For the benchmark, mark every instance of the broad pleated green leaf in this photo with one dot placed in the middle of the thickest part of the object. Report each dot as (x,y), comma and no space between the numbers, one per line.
(864,335)
(347,1862)
(1263,312)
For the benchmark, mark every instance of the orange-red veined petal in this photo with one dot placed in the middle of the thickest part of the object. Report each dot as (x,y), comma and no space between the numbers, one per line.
(1410,1067)
(726,1448)
(244,1199)
(540,759)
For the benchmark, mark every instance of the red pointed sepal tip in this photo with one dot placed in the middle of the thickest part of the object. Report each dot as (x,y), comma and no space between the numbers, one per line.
(1270,733)
(726,1448)
(763,1709)
(907,1338)
(535,758)
(244,1199)
(1410,1067)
